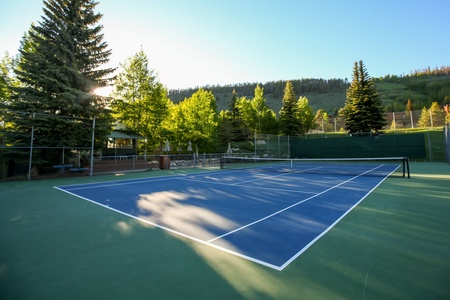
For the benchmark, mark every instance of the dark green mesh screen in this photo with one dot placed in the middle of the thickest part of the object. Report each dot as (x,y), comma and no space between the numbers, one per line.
(408,145)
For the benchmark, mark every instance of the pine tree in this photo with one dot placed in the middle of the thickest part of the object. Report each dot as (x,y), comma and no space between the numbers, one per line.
(239,131)
(424,119)
(437,115)
(59,69)
(409,106)
(234,110)
(409,111)
(6,65)
(363,107)
(289,124)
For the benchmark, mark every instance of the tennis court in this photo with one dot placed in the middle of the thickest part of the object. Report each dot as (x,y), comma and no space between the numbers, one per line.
(270,216)
(392,245)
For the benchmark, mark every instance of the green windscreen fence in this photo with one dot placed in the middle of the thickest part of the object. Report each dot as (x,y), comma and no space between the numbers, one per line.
(409,145)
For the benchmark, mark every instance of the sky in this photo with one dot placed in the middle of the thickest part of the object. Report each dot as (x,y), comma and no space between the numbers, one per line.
(194,43)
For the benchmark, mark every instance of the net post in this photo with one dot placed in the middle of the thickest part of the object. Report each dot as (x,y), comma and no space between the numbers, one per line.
(407,166)
(221,160)
(403,166)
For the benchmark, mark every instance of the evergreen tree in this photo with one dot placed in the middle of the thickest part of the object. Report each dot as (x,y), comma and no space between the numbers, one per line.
(234,110)
(288,115)
(239,131)
(225,128)
(432,117)
(409,111)
(424,119)
(6,67)
(363,107)
(59,69)
(437,115)
(409,106)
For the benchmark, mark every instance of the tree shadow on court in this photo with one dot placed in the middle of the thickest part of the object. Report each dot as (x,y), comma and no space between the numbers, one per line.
(394,245)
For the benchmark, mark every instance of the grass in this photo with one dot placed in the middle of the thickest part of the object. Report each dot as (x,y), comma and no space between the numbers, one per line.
(397,94)
(394,245)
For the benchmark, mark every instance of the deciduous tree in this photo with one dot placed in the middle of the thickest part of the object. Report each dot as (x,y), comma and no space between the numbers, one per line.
(256,114)
(194,119)
(305,115)
(140,100)
(265,117)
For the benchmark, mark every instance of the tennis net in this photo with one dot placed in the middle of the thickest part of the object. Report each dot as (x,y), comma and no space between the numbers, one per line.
(383,166)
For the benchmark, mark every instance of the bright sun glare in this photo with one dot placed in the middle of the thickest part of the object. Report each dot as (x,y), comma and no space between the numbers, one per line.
(103,91)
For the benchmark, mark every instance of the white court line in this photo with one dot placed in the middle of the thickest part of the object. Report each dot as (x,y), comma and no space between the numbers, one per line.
(335,222)
(177,232)
(209,243)
(290,206)
(256,179)
(283,174)
(93,185)
(115,183)
(247,186)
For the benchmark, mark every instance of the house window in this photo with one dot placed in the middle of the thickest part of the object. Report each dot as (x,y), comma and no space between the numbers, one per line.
(120,143)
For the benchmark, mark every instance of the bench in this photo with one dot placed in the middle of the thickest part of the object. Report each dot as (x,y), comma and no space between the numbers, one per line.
(78,169)
(62,166)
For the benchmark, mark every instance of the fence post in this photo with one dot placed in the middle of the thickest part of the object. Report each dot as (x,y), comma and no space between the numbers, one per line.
(447,142)
(279,147)
(429,145)
(255,145)
(393,120)
(91,166)
(289,148)
(30,162)
(431,117)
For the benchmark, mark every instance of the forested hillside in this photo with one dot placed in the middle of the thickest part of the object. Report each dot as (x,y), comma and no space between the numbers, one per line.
(422,87)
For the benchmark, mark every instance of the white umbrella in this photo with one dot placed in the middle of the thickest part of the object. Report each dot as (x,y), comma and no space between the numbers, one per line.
(167,147)
(229,150)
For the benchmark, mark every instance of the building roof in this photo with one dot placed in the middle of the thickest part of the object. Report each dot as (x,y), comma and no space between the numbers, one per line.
(115,134)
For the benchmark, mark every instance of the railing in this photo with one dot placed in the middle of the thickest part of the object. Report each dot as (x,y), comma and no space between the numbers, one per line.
(130,163)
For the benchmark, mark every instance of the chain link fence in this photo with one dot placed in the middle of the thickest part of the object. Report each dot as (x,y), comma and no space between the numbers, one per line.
(428,144)
(395,121)
(30,156)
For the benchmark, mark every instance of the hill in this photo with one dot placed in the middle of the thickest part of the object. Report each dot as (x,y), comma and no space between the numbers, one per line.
(325,94)
(422,87)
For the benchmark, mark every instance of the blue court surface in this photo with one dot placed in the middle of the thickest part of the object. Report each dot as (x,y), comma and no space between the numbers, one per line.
(267,218)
